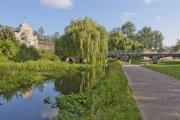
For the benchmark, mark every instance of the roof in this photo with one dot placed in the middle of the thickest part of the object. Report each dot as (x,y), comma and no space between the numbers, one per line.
(2,27)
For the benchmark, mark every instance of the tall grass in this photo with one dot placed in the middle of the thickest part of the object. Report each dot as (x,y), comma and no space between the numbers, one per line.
(16,76)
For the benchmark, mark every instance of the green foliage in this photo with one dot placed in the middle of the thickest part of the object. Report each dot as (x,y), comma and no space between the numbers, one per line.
(111,99)
(48,55)
(2,57)
(119,42)
(145,36)
(8,48)
(74,107)
(176,48)
(128,29)
(150,39)
(26,53)
(157,40)
(7,34)
(136,60)
(84,39)
(8,44)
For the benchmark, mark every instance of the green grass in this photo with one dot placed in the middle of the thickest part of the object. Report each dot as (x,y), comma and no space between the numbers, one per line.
(171,68)
(111,99)
(18,76)
(136,60)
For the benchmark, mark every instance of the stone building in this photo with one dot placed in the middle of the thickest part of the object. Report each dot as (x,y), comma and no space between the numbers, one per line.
(24,34)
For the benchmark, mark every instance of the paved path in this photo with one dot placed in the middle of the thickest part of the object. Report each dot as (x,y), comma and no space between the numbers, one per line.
(157,95)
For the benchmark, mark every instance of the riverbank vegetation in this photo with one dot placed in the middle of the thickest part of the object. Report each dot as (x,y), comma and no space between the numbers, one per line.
(17,76)
(110,99)
(169,67)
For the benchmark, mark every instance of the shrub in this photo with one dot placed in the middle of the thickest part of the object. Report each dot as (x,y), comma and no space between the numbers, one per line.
(48,55)
(26,53)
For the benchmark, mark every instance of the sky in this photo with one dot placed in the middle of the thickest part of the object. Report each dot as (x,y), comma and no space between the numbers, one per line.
(55,15)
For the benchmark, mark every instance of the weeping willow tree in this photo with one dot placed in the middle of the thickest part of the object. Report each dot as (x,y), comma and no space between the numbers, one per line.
(84,39)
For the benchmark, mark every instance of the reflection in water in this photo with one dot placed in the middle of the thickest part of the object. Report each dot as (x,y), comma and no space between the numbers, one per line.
(49,113)
(28,105)
(79,81)
(20,103)
(26,94)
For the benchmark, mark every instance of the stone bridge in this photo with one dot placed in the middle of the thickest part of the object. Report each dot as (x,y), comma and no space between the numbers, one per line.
(127,56)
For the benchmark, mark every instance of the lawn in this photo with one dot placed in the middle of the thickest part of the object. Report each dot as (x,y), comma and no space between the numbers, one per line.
(171,68)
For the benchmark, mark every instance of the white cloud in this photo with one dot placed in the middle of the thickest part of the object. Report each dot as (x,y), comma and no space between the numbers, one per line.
(157,18)
(149,1)
(127,15)
(152,1)
(59,4)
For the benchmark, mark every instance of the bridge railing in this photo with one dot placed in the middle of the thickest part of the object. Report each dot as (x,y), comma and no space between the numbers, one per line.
(136,53)
(120,52)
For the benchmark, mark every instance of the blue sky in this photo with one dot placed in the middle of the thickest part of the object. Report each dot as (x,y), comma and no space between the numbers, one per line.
(55,15)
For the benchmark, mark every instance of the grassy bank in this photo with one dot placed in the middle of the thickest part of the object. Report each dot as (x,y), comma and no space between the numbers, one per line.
(111,99)
(171,68)
(17,76)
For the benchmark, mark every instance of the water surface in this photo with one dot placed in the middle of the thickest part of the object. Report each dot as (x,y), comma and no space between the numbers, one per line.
(29,104)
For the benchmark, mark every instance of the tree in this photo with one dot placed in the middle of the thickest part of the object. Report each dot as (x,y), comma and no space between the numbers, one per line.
(176,48)
(40,33)
(8,34)
(157,40)
(118,41)
(128,29)
(56,35)
(145,37)
(35,33)
(8,43)
(84,39)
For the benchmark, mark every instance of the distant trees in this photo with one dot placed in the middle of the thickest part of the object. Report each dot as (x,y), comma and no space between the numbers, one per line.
(176,48)
(145,37)
(152,40)
(158,40)
(48,38)
(39,33)
(128,29)
(85,39)
(56,35)
(118,41)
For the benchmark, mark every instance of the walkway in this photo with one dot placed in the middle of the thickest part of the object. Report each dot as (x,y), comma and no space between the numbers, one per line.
(157,95)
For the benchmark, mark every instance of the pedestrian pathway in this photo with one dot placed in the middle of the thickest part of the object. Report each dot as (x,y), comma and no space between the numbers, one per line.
(157,95)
